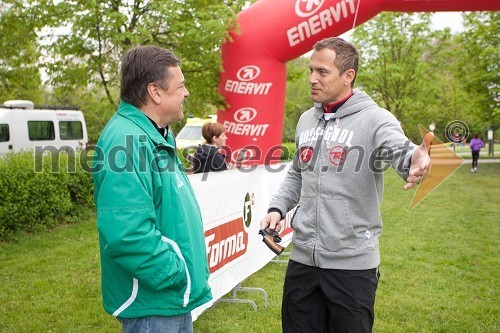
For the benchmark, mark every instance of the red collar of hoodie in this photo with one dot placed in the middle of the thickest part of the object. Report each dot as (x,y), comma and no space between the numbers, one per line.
(332,108)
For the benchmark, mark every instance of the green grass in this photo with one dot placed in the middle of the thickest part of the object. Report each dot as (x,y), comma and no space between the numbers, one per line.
(439,269)
(439,261)
(51,282)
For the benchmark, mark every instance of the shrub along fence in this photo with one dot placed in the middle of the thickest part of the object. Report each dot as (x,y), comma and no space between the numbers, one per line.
(40,193)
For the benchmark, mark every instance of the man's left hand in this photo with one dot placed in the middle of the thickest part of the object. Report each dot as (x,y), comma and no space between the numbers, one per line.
(420,163)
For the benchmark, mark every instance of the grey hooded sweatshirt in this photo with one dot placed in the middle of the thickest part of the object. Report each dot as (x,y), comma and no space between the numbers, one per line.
(336,180)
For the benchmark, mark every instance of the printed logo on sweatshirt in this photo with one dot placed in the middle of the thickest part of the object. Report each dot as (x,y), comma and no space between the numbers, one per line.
(333,134)
(337,155)
(179,181)
(306,153)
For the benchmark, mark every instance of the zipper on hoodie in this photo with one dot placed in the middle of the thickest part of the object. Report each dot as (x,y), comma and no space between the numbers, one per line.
(313,255)
(319,144)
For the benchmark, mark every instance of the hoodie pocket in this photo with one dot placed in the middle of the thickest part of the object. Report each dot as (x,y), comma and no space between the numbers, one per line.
(304,221)
(335,227)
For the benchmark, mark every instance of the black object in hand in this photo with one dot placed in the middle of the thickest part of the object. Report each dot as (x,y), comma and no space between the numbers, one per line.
(271,239)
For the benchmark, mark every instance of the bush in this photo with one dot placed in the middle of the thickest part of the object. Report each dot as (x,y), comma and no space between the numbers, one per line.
(37,195)
(80,187)
(183,156)
(288,151)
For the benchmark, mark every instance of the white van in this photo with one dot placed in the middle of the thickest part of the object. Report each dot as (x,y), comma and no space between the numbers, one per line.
(190,135)
(24,126)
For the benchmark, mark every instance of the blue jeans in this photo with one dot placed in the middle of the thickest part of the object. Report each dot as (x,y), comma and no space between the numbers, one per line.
(158,324)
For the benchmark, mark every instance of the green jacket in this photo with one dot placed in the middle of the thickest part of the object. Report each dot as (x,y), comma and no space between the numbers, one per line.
(153,256)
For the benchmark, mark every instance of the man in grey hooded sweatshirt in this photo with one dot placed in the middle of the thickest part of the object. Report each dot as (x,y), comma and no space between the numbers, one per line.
(344,144)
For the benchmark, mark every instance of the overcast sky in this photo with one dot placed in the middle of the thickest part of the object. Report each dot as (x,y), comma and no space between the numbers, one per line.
(440,20)
(452,20)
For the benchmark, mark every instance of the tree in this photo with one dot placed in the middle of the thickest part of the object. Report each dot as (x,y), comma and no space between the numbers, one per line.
(298,96)
(479,64)
(80,44)
(453,102)
(96,33)
(19,74)
(397,68)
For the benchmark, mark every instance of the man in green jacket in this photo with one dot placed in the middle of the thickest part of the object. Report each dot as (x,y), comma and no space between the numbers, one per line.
(153,256)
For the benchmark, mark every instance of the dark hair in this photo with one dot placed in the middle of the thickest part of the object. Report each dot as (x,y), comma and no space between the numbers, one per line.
(209,130)
(142,66)
(346,54)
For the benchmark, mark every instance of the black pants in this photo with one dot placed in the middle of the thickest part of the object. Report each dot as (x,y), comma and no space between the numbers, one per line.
(475,158)
(319,300)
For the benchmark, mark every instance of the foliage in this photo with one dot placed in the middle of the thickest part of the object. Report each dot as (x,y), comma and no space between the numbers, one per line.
(298,98)
(85,55)
(425,76)
(449,101)
(479,62)
(439,270)
(19,74)
(183,157)
(288,150)
(78,46)
(40,193)
(79,184)
(396,66)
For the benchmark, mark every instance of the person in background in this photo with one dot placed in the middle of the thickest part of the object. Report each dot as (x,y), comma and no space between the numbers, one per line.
(152,244)
(208,156)
(475,146)
(337,186)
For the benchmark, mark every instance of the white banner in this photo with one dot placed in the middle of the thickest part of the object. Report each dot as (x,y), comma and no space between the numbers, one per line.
(232,204)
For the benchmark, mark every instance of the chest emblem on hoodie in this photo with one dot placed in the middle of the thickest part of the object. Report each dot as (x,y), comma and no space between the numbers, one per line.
(337,155)
(306,153)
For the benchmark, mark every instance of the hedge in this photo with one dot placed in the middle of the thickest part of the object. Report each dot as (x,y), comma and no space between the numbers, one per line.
(39,193)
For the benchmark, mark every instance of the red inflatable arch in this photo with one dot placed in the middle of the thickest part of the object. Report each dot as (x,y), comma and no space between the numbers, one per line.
(275,31)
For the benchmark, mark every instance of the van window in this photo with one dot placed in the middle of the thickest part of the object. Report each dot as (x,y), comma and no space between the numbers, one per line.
(4,132)
(190,133)
(41,130)
(71,130)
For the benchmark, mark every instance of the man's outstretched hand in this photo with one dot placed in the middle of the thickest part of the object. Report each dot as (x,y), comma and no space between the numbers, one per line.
(420,163)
